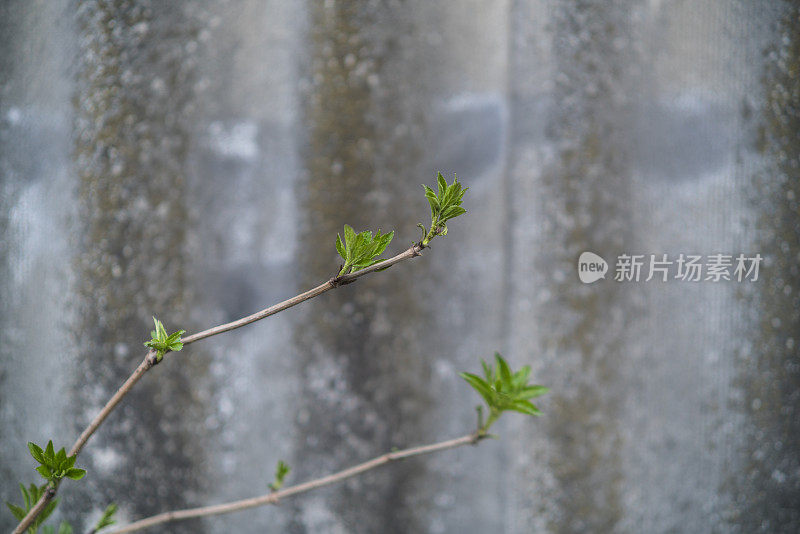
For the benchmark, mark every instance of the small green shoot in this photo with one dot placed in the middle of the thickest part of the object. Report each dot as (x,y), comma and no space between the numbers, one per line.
(445,205)
(30,497)
(361,250)
(281,471)
(107,519)
(503,391)
(55,465)
(163,343)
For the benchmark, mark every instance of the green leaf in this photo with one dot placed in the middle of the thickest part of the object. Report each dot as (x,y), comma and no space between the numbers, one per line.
(175,336)
(340,247)
(349,239)
(45,471)
(446,199)
(163,343)
(504,371)
(70,461)
(479,385)
(521,377)
(487,370)
(161,331)
(530,392)
(281,470)
(61,458)
(75,473)
(525,407)
(452,212)
(382,241)
(49,454)
(36,452)
(361,250)
(445,204)
(504,390)
(18,512)
(107,519)
(25,497)
(442,184)
(454,193)
(430,195)
(358,245)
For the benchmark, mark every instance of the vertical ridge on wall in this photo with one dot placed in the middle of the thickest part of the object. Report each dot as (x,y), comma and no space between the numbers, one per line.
(767,490)
(134,103)
(569,163)
(363,378)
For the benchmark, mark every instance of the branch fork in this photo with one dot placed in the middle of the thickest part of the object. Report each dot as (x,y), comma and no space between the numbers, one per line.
(359,252)
(151,359)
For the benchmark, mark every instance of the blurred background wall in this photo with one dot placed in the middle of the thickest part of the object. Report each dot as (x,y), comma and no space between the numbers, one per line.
(194,160)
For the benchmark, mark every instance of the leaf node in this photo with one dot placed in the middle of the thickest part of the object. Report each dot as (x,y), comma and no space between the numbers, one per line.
(162,342)
(504,390)
(360,250)
(281,470)
(53,466)
(445,204)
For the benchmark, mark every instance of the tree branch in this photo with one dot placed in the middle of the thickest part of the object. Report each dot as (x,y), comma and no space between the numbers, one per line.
(150,359)
(274,497)
(148,362)
(311,293)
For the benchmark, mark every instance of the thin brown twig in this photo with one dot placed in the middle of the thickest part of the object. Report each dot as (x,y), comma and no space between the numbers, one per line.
(48,496)
(148,362)
(275,496)
(311,293)
(150,359)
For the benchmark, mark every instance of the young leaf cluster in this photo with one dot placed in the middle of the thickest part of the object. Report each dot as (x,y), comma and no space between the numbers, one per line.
(281,471)
(445,204)
(30,497)
(504,390)
(163,343)
(55,465)
(360,250)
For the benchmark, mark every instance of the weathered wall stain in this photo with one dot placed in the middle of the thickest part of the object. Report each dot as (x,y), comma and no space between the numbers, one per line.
(133,107)
(767,489)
